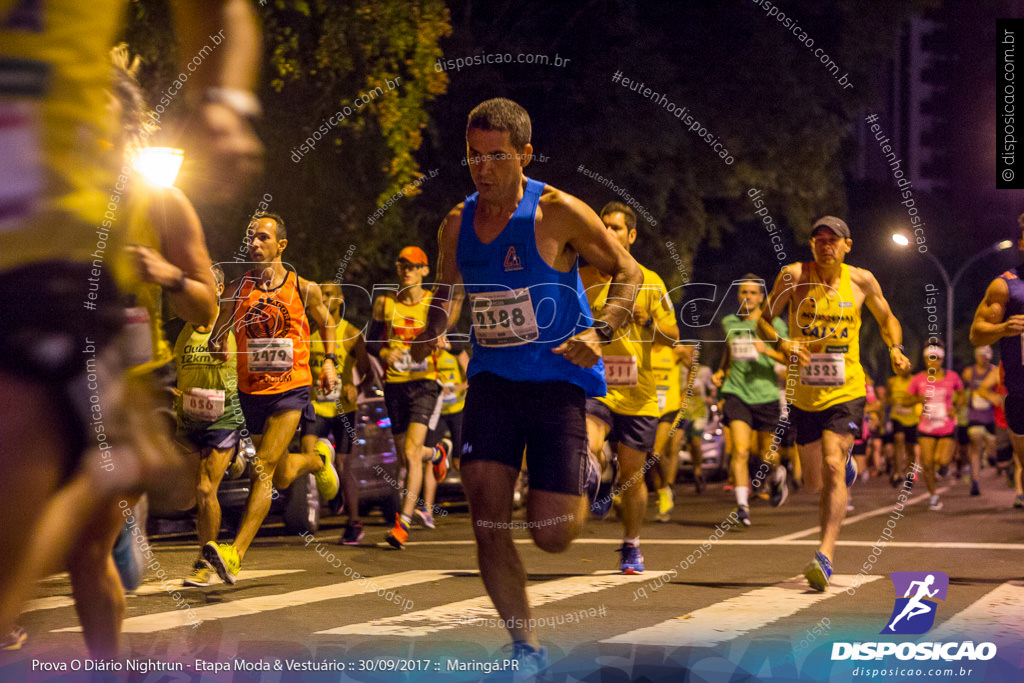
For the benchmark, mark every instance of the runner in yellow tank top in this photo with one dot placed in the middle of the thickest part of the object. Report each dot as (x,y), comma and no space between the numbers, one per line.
(411,391)
(629,414)
(825,297)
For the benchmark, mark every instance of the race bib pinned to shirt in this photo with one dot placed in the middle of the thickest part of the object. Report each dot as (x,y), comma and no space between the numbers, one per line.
(621,371)
(824,370)
(270,355)
(504,318)
(743,348)
(204,405)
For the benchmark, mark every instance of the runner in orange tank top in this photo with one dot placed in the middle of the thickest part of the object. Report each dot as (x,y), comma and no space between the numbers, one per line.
(268,309)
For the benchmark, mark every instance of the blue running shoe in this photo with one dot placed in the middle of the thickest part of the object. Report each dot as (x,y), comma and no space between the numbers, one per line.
(818,572)
(851,469)
(632,560)
(128,558)
(531,660)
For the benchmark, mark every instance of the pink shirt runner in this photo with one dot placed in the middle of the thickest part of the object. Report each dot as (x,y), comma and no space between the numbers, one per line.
(938,417)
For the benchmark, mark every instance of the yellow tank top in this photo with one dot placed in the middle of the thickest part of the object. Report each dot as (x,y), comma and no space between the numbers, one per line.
(908,416)
(55,187)
(666,377)
(405,322)
(450,374)
(828,321)
(145,345)
(328,404)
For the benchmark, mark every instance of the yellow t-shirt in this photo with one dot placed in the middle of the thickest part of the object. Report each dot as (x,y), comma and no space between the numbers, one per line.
(451,375)
(666,376)
(404,323)
(58,176)
(828,320)
(632,387)
(329,404)
(908,416)
(145,345)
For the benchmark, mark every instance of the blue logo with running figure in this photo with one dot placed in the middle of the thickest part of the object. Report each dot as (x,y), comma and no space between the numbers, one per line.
(916,595)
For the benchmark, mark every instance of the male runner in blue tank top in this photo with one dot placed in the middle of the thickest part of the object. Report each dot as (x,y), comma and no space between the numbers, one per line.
(514,247)
(1000,318)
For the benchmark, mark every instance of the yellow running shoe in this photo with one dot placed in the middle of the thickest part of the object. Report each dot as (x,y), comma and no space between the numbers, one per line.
(326,477)
(224,559)
(665,504)
(202,574)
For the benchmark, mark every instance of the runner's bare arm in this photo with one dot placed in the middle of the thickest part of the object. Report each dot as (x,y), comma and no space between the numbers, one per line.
(888,325)
(317,310)
(222,91)
(219,336)
(447,301)
(584,232)
(773,306)
(990,321)
(183,260)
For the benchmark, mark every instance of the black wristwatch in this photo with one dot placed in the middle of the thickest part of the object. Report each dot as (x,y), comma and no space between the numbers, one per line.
(333,357)
(604,330)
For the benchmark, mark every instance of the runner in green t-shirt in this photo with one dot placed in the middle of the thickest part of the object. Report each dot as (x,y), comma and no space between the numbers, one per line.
(751,392)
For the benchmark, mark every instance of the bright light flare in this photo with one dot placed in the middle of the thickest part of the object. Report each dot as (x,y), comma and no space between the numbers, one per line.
(159,166)
(901,239)
(1005,244)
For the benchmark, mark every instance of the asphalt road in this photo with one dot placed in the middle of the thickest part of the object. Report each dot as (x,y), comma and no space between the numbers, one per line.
(736,608)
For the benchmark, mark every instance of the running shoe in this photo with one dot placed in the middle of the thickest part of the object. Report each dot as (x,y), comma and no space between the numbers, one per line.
(851,469)
(1018,502)
(632,560)
(728,487)
(699,483)
(742,514)
(202,574)
(934,503)
(818,572)
(224,559)
(326,477)
(440,460)
(593,481)
(399,533)
(944,470)
(530,660)
(665,504)
(895,480)
(779,487)
(128,556)
(600,507)
(15,638)
(353,534)
(424,518)
(239,463)
(974,489)
(849,503)
(617,504)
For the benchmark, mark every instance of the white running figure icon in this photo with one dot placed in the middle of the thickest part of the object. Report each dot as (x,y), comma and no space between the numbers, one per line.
(915,606)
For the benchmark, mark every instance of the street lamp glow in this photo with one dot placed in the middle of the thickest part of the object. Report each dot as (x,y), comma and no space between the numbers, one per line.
(901,239)
(1005,244)
(159,166)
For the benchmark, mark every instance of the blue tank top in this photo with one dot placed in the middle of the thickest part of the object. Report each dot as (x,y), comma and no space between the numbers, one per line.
(1010,347)
(558,302)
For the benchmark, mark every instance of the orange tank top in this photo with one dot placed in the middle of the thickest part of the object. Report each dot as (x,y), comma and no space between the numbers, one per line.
(273,337)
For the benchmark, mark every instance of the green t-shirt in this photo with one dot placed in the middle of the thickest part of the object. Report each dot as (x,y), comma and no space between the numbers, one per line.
(208,389)
(752,376)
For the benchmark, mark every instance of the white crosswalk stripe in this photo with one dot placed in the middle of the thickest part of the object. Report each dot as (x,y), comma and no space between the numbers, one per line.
(178,618)
(474,610)
(736,616)
(151,588)
(995,617)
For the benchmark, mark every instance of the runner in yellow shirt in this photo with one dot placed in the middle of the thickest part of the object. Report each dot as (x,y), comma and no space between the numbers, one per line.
(825,297)
(629,413)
